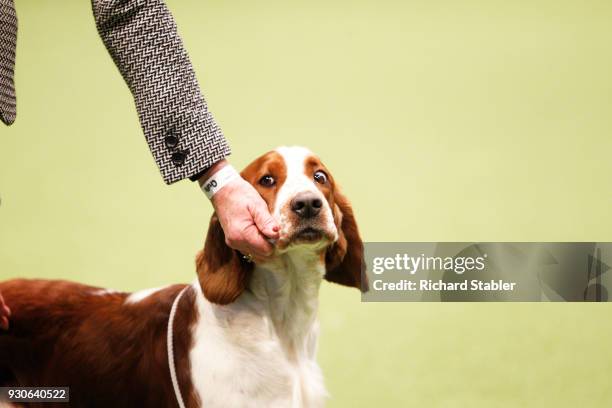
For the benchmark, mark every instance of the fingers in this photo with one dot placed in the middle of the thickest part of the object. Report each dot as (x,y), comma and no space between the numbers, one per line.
(263,220)
(256,244)
(246,220)
(249,241)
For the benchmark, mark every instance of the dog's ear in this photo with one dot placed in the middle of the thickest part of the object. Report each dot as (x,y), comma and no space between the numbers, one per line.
(222,273)
(344,259)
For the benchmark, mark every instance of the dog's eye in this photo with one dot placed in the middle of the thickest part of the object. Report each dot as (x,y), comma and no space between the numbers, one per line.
(267,181)
(320,177)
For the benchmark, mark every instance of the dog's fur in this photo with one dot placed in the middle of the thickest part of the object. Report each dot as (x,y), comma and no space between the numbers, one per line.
(245,334)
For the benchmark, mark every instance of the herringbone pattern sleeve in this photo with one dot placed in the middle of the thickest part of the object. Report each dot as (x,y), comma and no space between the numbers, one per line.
(142,38)
(8,43)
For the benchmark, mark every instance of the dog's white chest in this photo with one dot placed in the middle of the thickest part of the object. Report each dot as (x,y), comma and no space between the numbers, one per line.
(239,361)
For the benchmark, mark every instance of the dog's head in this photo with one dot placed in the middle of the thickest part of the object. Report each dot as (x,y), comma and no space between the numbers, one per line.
(313,215)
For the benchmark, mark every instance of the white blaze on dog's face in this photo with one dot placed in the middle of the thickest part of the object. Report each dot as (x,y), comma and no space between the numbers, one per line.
(299,191)
(302,204)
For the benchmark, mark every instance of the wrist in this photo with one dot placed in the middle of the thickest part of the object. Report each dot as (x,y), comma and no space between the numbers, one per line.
(212,170)
(224,195)
(219,177)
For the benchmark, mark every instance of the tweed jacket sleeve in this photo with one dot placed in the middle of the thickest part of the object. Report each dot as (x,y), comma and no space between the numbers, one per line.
(142,38)
(8,42)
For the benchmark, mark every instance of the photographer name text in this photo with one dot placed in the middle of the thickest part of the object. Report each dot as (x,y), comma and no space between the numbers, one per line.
(413,264)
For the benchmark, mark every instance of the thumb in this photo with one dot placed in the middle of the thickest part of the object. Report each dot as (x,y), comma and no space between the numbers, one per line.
(264,221)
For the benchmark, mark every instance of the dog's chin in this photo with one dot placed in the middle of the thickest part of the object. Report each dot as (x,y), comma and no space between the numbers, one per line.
(306,236)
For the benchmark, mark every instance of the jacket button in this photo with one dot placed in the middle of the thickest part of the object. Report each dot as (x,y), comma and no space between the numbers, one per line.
(178,158)
(171,141)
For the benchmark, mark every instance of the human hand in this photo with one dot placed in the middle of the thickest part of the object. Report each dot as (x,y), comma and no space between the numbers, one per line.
(244,217)
(5,313)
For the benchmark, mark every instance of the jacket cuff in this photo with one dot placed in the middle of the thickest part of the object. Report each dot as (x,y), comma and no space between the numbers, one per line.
(188,150)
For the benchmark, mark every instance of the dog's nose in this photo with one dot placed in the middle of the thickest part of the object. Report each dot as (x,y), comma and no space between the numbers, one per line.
(306,205)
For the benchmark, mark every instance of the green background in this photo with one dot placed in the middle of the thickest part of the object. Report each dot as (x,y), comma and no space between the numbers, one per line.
(443,121)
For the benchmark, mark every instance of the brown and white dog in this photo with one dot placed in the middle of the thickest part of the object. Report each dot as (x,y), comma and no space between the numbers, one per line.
(245,334)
